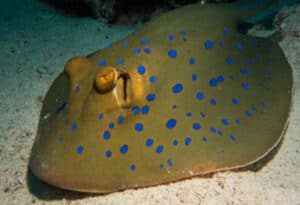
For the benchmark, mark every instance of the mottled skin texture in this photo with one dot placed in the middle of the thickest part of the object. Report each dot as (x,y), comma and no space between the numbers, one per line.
(79,96)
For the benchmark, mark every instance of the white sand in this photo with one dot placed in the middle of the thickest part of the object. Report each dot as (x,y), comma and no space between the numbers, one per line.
(35,41)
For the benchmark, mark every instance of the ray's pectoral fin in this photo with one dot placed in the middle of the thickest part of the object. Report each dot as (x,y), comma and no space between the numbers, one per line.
(115,80)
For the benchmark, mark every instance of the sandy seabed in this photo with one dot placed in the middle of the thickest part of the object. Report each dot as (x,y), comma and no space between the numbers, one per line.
(35,41)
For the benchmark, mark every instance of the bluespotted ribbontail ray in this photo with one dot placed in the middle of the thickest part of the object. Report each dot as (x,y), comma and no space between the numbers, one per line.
(186,95)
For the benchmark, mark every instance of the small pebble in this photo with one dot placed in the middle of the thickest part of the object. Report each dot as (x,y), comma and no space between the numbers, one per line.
(20,180)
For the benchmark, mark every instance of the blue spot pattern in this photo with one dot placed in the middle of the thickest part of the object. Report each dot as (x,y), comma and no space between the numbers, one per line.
(159,149)
(79,149)
(172,53)
(102,63)
(171,123)
(141,69)
(135,110)
(208,44)
(124,149)
(200,95)
(177,88)
(149,142)
(187,141)
(139,127)
(144,110)
(150,97)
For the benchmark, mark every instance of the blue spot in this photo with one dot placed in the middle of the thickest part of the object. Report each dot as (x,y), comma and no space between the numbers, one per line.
(149,142)
(192,61)
(171,37)
(79,149)
(264,104)
(60,139)
(220,78)
(200,96)
(235,101)
(111,125)
(238,121)
(220,133)
(108,154)
(125,45)
(208,44)
(194,76)
(183,32)
(122,38)
(225,31)
(174,107)
(213,82)
(196,126)
(229,60)
(147,50)
(145,41)
(141,69)
(246,86)
(120,61)
(245,71)
(54,133)
(152,79)
(66,121)
(73,126)
(138,127)
(150,97)
(239,46)
(213,130)
(213,101)
(232,77)
(161,166)
(135,110)
(159,149)
(170,163)
(124,149)
(232,137)
(184,39)
(254,108)
(101,63)
(172,53)
(225,122)
(204,139)
(132,167)
(136,50)
(108,46)
(171,123)
(106,135)
(120,119)
(145,109)
(187,141)
(202,114)
(100,116)
(177,88)
(248,113)
(188,114)
(175,142)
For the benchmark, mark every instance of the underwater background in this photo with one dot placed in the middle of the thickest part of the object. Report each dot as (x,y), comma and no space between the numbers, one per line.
(35,42)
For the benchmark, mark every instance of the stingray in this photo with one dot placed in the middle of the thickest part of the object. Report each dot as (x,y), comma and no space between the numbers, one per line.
(186,95)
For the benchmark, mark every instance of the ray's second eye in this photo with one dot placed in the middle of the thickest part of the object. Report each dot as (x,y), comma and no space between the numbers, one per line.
(105,79)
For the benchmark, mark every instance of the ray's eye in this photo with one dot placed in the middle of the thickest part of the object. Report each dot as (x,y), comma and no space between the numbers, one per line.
(105,79)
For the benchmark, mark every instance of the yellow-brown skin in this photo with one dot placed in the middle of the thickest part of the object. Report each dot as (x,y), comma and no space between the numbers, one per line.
(102,90)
